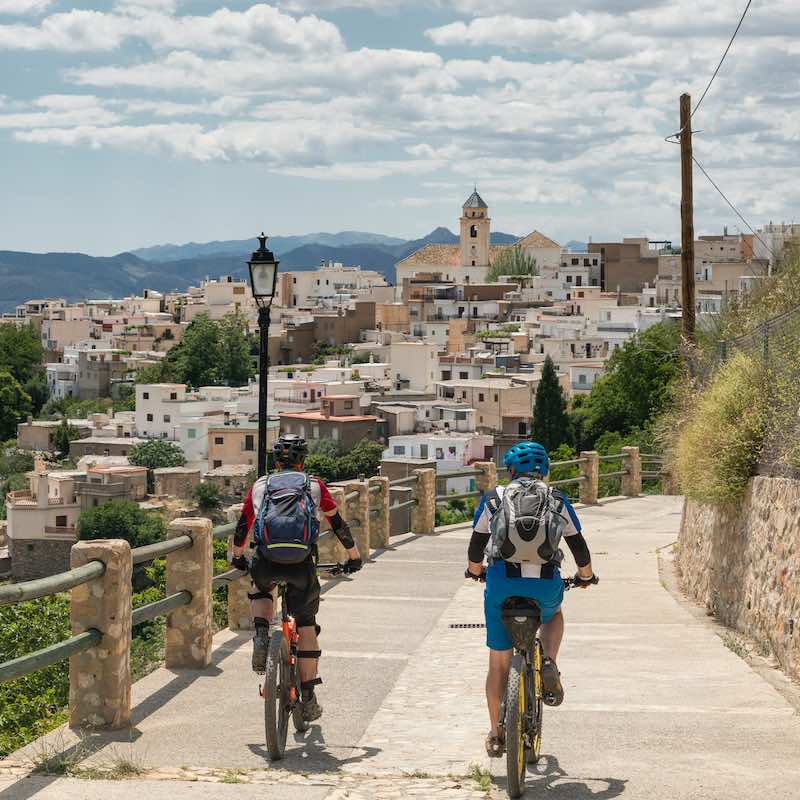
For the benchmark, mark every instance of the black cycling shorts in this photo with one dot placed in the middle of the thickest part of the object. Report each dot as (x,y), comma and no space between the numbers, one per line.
(302,586)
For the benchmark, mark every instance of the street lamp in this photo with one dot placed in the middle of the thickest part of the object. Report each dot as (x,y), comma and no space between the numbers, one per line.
(263,277)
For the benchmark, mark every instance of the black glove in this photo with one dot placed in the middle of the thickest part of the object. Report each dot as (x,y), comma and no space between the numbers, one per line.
(585,583)
(352,565)
(240,563)
(479,578)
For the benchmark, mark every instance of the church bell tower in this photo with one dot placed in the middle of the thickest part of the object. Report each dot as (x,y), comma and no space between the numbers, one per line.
(475,230)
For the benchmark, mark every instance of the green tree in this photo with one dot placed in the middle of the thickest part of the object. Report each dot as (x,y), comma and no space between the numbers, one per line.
(21,352)
(126,399)
(156,454)
(65,433)
(635,388)
(15,403)
(236,366)
(207,497)
(512,261)
(36,387)
(550,419)
(163,372)
(363,459)
(122,519)
(198,358)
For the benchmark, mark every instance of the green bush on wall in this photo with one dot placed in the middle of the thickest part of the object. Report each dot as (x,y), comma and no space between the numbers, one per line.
(719,444)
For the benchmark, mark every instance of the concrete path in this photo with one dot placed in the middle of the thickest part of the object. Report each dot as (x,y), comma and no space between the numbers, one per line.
(657,707)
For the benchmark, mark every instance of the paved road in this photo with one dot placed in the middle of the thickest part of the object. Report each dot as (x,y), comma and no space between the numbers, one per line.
(657,706)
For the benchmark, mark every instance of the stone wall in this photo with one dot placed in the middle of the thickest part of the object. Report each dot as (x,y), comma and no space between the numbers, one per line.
(38,558)
(175,481)
(744,565)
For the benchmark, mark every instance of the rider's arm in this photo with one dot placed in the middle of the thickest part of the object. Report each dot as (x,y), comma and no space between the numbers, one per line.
(480,538)
(244,525)
(341,529)
(577,543)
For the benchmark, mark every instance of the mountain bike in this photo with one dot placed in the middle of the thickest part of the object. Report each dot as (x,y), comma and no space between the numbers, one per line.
(281,689)
(521,710)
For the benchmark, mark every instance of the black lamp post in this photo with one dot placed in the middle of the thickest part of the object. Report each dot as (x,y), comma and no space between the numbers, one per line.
(263,277)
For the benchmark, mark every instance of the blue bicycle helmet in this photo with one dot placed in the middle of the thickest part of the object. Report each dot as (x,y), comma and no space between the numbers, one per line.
(528,457)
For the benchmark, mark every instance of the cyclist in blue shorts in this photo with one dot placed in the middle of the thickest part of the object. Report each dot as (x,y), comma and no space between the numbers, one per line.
(524,521)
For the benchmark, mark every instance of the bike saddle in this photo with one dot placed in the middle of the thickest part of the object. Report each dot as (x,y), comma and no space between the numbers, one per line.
(522,618)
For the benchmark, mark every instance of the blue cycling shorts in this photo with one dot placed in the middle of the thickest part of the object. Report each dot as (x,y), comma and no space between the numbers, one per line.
(548,592)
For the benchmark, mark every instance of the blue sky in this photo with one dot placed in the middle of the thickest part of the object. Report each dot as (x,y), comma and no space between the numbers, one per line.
(135,122)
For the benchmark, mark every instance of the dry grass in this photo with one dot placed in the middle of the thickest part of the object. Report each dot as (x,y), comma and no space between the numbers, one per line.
(720,440)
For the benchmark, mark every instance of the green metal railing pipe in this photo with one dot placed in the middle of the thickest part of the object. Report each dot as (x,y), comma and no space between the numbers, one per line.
(568,481)
(160,607)
(404,504)
(227,577)
(443,498)
(224,531)
(42,587)
(141,555)
(612,457)
(47,656)
(404,481)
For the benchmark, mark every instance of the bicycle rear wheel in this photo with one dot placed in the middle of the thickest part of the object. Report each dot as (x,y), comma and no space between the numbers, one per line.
(516,713)
(276,696)
(535,698)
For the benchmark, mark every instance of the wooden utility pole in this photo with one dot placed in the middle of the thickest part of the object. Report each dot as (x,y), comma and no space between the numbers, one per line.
(687,219)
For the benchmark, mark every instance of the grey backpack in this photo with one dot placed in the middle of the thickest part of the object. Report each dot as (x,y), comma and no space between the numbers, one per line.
(528,523)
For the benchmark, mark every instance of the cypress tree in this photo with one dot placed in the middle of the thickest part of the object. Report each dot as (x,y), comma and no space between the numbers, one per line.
(550,420)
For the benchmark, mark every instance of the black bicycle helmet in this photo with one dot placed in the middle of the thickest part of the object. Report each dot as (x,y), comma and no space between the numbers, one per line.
(290,449)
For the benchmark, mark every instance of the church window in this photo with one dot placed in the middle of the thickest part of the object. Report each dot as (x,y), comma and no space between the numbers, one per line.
(473,262)
(473,232)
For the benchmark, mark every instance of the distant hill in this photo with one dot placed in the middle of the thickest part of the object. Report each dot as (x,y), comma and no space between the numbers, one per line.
(278,244)
(76,276)
(576,247)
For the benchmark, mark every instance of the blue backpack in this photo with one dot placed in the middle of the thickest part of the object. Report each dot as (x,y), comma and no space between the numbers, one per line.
(286,528)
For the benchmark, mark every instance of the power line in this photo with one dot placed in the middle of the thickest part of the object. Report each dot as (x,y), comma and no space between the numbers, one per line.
(724,56)
(733,207)
(673,138)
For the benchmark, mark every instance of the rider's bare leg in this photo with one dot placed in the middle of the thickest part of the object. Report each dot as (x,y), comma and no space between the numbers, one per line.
(496,681)
(308,641)
(261,608)
(551,634)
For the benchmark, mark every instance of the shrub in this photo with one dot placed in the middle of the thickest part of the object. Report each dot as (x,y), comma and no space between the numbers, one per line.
(718,445)
(122,519)
(207,496)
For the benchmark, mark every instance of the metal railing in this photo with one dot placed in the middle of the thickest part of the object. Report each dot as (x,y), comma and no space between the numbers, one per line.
(78,576)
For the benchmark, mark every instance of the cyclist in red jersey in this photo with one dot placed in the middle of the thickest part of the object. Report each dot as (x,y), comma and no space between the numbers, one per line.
(301,581)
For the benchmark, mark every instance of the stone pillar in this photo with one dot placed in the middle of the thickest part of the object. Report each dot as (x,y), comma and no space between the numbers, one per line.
(360,511)
(488,480)
(590,469)
(330,549)
(239,617)
(189,628)
(423,514)
(100,678)
(379,524)
(631,484)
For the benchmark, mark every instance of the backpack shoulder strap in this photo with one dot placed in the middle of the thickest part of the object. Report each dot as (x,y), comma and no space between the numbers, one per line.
(493,501)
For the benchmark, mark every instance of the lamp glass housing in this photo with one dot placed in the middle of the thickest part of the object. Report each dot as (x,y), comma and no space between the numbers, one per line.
(263,275)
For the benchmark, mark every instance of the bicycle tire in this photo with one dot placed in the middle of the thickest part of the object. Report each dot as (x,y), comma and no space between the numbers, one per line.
(535,698)
(516,713)
(276,696)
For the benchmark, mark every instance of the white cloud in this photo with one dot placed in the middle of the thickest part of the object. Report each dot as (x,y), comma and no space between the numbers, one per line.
(58,111)
(21,7)
(261,27)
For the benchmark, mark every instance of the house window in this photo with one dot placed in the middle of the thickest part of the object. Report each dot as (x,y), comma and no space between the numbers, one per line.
(219,440)
(480,397)
(399,450)
(496,398)
(217,464)
(451,451)
(446,375)
(191,433)
(61,522)
(249,443)
(149,417)
(167,418)
(173,395)
(579,280)
(574,262)
(348,403)
(145,395)
(463,395)
(439,454)
(463,375)
(581,379)
(569,278)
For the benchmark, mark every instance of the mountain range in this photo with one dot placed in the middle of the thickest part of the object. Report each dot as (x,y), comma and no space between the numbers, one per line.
(169,267)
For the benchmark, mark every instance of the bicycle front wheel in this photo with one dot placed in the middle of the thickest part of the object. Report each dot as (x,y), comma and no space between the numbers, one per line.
(516,712)
(276,696)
